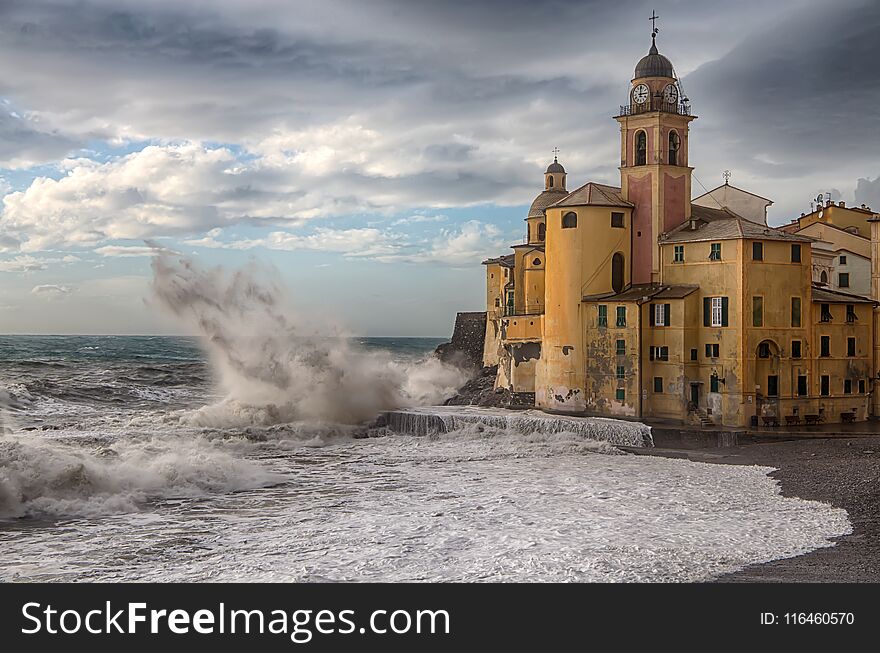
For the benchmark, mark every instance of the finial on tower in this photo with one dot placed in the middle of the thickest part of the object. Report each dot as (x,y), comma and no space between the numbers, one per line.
(654,30)
(726,175)
(555,154)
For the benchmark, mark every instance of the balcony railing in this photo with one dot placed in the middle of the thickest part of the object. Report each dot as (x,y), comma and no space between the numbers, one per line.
(656,104)
(514,311)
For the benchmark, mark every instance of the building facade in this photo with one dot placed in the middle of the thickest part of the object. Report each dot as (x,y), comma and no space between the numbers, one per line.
(635,301)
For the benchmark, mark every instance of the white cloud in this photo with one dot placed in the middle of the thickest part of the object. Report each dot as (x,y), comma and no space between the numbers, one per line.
(464,246)
(28,263)
(52,291)
(415,219)
(366,242)
(132,250)
(24,263)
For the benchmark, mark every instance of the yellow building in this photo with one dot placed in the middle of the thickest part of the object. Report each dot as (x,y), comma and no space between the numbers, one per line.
(634,301)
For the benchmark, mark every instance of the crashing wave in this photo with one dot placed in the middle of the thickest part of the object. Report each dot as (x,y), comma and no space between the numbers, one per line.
(41,476)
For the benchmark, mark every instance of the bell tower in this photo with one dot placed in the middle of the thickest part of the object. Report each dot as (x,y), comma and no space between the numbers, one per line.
(654,171)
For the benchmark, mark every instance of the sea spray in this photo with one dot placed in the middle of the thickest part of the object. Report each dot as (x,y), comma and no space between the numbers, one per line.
(44,476)
(272,366)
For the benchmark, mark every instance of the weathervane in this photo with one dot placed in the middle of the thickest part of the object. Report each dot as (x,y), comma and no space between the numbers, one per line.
(726,175)
(653,19)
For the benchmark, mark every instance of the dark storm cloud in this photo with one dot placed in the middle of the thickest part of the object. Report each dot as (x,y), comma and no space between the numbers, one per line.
(23,143)
(407,104)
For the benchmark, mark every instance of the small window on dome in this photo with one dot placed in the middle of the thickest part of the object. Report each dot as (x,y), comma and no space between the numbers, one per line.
(569,220)
(549,181)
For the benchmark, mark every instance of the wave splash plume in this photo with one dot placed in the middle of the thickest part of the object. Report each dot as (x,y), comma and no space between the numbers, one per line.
(273,368)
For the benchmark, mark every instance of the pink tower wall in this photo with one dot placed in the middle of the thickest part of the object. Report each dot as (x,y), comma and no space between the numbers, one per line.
(642,250)
(673,201)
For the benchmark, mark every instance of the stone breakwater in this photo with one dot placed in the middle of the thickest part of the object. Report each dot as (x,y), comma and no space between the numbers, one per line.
(446,419)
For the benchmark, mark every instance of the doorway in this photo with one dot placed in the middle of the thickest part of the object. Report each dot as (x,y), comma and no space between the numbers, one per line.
(695,394)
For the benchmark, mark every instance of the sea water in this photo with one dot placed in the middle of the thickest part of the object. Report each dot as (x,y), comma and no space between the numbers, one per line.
(123,458)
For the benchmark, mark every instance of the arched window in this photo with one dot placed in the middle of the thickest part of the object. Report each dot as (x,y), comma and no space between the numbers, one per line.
(823,278)
(641,148)
(542,231)
(528,232)
(550,181)
(617,272)
(569,220)
(674,144)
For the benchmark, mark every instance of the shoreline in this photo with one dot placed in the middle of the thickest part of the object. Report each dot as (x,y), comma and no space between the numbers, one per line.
(843,472)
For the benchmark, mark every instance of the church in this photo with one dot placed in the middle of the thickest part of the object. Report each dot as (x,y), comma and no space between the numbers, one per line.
(642,301)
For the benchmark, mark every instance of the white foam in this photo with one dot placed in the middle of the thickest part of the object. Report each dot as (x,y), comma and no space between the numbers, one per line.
(443,419)
(471,505)
(40,476)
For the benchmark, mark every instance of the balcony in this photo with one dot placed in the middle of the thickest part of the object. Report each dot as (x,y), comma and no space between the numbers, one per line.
(515,311)
(656,104)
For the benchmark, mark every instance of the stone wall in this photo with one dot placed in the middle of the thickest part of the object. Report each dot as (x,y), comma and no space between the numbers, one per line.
(466,348)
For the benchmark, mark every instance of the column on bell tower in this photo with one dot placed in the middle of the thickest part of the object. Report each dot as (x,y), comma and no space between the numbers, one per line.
(654,171)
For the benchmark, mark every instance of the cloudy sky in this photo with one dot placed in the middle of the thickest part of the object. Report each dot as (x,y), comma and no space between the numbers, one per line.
(375,152)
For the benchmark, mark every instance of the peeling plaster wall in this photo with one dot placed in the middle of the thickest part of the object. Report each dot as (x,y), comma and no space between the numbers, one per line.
(602,361)
(516,369)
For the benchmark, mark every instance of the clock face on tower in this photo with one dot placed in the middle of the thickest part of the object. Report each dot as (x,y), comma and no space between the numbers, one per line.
(640,94)
(670,94)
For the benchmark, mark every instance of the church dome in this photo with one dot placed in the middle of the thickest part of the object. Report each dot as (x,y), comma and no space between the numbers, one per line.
(555,167)
(654,64)
(545,199)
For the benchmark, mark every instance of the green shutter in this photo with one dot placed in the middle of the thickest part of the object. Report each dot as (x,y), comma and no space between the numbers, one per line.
(666,313)
(707,311)
(724,312)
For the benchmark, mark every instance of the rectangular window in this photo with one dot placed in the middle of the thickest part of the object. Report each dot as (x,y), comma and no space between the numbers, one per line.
(693,354)
(621,347)
(712,350)
(621,316)
(843,260)
(713,383)
(678,256)
(660,315)
(621,373)
(617,220)
(825,349)
(757,251)
(715,252)
(850,347)
(620,395)
(851,313)
(847,386)
(825,385)
(843,280)
(795,253)
(802,386)
(717,315)
(861,386)
(757,311)
(773,386)
(795,311)
(658,384)
(603,316)
(660,353)
(825,313)
(795,348)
